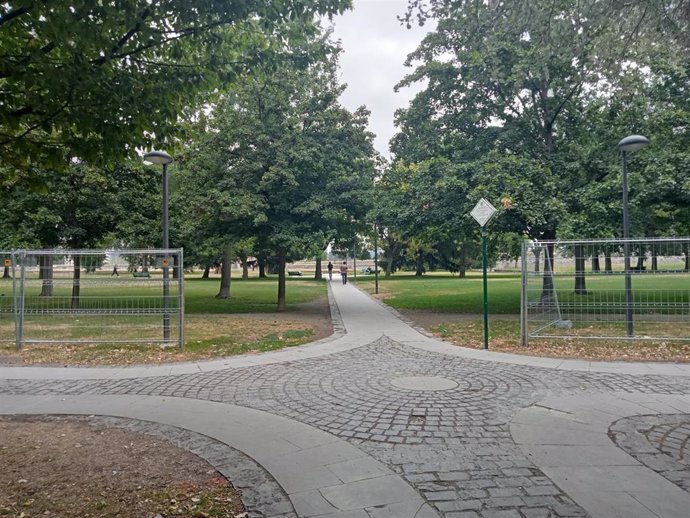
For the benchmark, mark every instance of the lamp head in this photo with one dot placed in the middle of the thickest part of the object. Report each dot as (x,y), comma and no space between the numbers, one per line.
(633,143)
(158,157)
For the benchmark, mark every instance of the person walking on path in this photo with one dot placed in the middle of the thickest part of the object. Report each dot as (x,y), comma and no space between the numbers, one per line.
(343,271)
(330,271)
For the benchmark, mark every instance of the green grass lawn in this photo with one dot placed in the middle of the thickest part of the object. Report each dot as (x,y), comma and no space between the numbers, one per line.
(252,295)
(451,294)
(100,292)
(446,293)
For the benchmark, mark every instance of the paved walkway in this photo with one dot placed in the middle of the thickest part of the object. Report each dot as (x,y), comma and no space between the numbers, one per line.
(385,421)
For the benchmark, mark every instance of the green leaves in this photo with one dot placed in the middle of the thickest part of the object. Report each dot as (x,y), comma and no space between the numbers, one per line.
(97,80)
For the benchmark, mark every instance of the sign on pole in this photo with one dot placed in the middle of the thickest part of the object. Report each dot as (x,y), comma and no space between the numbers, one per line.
(482,212)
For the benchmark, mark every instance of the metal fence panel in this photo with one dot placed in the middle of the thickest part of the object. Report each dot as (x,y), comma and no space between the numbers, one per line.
(577,289)
(99,296)
(7,330)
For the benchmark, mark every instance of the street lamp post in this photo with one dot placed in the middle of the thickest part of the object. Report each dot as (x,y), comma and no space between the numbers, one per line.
(628,144)
(376,257)
(162,158)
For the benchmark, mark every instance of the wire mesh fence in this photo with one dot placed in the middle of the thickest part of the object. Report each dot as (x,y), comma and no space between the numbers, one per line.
(610,289)
(98,296)
(7,330)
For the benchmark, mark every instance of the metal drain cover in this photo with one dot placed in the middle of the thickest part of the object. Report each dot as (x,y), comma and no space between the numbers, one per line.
(424,383)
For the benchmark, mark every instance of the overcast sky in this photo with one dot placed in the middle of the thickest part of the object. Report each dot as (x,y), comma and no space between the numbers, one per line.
(375,46)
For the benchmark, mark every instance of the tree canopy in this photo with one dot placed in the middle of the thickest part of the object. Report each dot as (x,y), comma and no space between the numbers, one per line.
(96,80)
(526,101)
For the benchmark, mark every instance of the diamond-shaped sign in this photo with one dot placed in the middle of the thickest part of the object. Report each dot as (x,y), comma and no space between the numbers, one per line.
(482,212)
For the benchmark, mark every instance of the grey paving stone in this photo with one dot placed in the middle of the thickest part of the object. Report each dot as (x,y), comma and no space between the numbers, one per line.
(537,512)
(458,505)
(311,503)
(368,493)
(506,513)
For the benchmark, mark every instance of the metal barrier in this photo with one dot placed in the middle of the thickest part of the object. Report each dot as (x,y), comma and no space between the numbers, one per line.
(7,330)
(582,289)
(98,296)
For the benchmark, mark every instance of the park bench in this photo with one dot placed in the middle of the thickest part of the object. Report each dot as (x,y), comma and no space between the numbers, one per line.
(145,275)
(295,274)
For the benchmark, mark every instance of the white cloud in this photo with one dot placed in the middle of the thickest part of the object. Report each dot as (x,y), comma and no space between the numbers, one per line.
(375,46)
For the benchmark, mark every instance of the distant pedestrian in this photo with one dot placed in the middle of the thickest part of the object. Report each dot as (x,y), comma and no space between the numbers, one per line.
(343,271)
(330,271)
(115,272)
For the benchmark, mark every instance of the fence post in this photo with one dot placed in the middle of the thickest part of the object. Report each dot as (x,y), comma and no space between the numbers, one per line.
(19,302)
(180,294)
(524,335)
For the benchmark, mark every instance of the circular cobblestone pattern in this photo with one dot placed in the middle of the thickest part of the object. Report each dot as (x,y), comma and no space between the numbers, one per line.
(660,442)
(432,383)
(454,445)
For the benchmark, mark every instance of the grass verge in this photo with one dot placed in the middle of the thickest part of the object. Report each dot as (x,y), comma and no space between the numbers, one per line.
(504,337)
(207,337)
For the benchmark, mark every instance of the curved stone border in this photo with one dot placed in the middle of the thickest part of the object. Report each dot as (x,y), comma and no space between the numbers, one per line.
(567,438)
(336,318)
(634,435)
(322,475)
(261,495)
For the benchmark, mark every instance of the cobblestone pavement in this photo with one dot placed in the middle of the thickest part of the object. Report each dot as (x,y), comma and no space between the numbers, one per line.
(660,442)
(454,446)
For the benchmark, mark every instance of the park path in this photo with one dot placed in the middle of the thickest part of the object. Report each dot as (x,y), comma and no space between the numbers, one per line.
(382,420)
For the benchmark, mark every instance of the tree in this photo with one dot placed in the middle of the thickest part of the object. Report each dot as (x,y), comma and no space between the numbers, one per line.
(283,162)
(543,85)
(96,80)
(83,207)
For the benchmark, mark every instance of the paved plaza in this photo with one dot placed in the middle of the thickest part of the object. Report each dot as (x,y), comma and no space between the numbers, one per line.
(381,420)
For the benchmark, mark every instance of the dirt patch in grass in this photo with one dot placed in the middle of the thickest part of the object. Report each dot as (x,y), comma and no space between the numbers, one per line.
(468,331)
(73,469)
(207,337)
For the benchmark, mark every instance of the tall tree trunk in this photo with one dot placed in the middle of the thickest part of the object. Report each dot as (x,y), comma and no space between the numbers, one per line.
(225,274)
(419,264)
(262,269)
(245,267)
(207,271)
(145,263)
(6,273)
(76,288)
(389,267)
(175,268)
(596,265)
(608,267)
(391,253)
(687,260)
(580,287)
(282,306)
(537,253)
(547,290)
(46,272)
(462,269)
(318,274)
(655,259)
